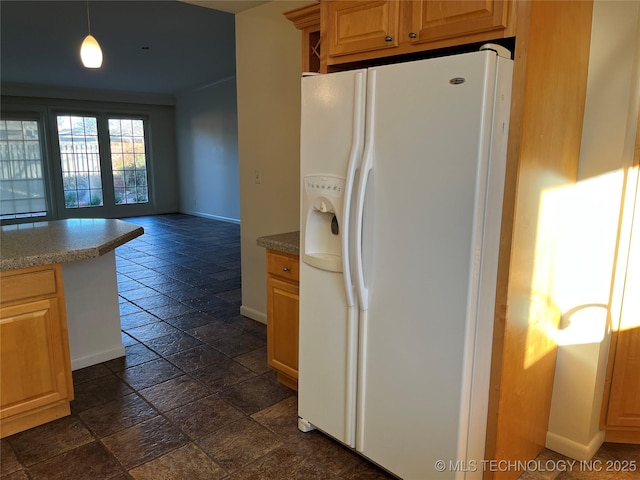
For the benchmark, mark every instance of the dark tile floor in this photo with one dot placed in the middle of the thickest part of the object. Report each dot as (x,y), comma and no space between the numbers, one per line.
(613,461)
(193,398)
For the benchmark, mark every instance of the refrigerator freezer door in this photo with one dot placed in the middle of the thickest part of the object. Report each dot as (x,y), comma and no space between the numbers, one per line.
(332,135)
(422,253)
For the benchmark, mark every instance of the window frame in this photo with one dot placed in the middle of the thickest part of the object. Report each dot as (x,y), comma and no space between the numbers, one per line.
(39,115)
(108,209)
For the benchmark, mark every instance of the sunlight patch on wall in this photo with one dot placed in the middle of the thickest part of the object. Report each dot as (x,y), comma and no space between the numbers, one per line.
(576,240)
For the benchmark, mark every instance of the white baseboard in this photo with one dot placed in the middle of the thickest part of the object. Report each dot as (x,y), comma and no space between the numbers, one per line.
(208,215)
(253,314)
(88,360)
(573,449)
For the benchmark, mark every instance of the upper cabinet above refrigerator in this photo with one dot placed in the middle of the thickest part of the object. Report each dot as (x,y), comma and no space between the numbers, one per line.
(363,30)
(338,33)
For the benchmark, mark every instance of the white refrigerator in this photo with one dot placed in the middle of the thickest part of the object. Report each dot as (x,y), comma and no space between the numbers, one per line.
(402,170)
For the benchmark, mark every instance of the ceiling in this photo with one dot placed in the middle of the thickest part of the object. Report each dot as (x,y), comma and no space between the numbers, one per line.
(159,47)
(231,6)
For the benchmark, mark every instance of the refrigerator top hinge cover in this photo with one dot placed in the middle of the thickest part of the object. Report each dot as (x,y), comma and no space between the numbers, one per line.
(499,49)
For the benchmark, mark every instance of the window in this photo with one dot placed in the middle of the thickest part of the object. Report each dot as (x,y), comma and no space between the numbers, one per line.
(22,182)
(128,160)
(98,174)
(80,161)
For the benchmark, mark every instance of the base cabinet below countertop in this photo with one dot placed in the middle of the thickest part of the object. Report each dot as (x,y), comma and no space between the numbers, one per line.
(35,369)
(282,316)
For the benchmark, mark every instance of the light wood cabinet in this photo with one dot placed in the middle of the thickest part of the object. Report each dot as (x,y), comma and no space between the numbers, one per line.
(620,416)
(282,316)
(342,32)
(354,31)
(307,20)
(437,20)
(35,370)
(360,26)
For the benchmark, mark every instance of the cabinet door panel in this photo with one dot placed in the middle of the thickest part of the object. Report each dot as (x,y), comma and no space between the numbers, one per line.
(32,364)
(282,326)
(624,403)
(436,20)
(360,26)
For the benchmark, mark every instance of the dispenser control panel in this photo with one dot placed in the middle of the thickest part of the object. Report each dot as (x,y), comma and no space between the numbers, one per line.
(324,185)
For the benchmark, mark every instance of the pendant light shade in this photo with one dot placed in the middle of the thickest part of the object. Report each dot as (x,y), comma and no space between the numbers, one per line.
(91,53)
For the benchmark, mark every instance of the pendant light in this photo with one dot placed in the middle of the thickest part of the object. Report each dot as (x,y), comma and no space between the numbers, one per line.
(90,51)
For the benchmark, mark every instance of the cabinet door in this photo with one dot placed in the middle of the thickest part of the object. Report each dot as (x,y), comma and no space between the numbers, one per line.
(623,413)
(360,26)
(34,369)
(282,326)
(624,402)
(436,20)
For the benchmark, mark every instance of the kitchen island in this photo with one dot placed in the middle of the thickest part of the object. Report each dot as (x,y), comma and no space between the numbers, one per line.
(85,249)
(58,310)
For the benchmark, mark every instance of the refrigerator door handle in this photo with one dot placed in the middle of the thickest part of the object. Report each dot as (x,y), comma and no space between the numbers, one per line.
(367,166)
(354,159)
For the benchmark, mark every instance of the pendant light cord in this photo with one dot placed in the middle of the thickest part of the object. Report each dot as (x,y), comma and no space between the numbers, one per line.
(88,19)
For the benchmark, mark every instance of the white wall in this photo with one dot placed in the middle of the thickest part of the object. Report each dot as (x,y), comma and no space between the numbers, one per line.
(207,144)
(268,68)
(611,112)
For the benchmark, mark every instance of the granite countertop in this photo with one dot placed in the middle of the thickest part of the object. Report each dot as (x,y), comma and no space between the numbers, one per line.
(283,242)
(42,243)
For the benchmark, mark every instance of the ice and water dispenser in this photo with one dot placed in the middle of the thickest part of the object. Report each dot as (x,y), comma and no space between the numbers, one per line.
(322,206)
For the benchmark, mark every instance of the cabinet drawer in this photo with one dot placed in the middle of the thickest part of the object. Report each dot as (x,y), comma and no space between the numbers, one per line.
(283,265)
(25,284)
